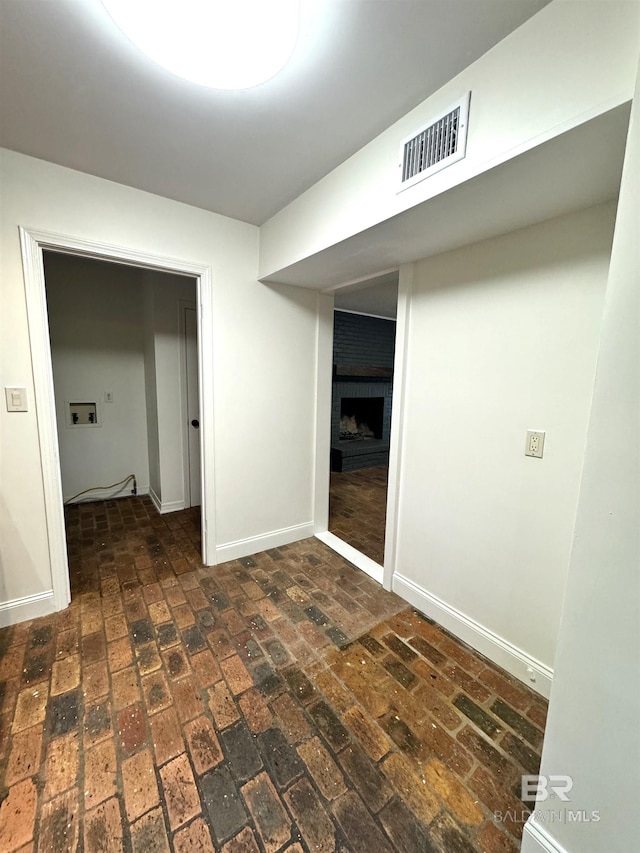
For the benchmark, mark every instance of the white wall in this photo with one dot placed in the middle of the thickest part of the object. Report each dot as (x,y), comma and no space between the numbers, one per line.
(264,361)
(266,399)
(593,727)
(165,386)
(503,337)
(568,63)
(151,391)
(96,332)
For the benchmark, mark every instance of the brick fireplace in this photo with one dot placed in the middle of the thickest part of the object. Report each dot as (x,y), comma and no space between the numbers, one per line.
(362,391)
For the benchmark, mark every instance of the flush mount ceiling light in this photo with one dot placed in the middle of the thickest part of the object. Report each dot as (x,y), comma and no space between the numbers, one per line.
(223,44)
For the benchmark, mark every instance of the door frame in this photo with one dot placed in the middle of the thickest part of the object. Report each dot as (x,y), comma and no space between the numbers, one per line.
(33,243)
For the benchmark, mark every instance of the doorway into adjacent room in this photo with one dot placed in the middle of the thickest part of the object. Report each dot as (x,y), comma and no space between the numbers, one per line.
(124,345)
(144,380)
(124,354)
(362,397)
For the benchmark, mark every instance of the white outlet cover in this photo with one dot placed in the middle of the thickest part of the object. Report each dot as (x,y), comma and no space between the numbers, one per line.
(535,443)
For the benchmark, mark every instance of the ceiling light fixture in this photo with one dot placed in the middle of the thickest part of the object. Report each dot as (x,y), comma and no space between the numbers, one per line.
(223,44)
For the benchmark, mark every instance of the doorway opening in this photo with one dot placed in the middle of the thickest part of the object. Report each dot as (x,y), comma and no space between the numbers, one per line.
(364,335)
(124,341)
(34,246)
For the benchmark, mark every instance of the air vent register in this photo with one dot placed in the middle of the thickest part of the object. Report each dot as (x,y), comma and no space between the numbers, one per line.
(436,145)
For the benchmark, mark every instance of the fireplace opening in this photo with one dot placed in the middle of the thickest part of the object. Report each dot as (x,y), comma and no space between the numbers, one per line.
(361,418)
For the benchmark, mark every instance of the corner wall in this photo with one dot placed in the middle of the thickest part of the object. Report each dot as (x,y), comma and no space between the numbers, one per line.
(593,726)
(503,337)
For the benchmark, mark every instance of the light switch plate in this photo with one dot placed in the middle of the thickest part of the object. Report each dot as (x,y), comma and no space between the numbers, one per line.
(16,399)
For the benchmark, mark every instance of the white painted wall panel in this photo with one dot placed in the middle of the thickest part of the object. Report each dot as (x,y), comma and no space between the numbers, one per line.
(503,337)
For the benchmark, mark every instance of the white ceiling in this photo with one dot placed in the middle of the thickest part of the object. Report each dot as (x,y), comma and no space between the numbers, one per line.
(377,296)
(75,91)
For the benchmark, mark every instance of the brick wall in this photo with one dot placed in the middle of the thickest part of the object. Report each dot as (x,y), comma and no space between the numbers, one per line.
(362,340)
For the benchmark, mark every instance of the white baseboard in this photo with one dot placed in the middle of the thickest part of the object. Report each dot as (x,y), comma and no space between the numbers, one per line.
(536,839)
(253,544)
(359,560)
(516,662)
(167,506)
(155,499)
(28,607)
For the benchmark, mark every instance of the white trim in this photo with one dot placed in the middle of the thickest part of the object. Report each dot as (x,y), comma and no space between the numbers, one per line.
(206,337)
(534,833)
(322,438)
(360,280)
(359,560)
(401,354)
(155,499)
(33,242)
(365,314)
(28,607)
(254,544)
(171,506)
(164,508)
(491,645)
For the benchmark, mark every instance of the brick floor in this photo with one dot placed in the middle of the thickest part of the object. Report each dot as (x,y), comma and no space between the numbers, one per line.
(358,509)
(279,702)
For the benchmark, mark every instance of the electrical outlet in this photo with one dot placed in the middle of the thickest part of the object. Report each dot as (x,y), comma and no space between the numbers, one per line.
(535,444)
(108,396)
